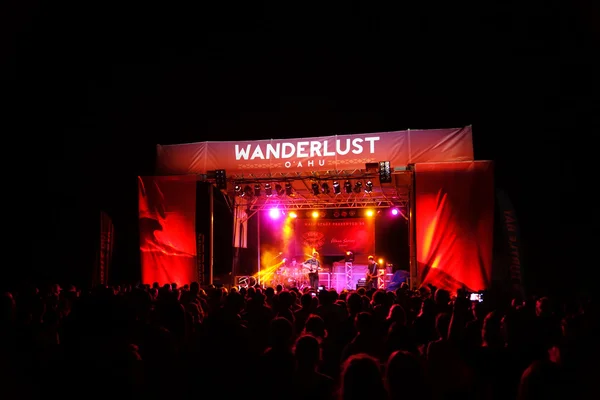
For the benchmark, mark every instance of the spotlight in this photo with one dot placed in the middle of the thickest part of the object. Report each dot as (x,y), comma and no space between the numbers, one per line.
(385,172)
(369,187)
(257,190)
(293,214)
(352,213)
(369,213)
(315,214)
(247,191)
(349,256)
(358,187)
(274,213)
(238,190)
(348,187)
(325,188)
(268,190)
(395,211)
(315,189)
(279,190)
(288,188)
(336,187)
(336,214)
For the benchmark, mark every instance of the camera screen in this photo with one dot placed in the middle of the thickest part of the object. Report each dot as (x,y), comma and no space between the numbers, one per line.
(476,297)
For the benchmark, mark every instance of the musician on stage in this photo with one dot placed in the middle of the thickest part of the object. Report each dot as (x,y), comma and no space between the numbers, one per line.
(372,270)
(313,265)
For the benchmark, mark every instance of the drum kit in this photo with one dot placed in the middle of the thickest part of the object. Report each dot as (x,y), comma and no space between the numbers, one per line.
(291,277)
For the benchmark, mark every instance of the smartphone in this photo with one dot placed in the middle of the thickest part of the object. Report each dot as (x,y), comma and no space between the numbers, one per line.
(476,297)
(313,294)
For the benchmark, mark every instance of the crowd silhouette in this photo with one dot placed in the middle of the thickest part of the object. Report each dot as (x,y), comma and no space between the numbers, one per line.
(148,341)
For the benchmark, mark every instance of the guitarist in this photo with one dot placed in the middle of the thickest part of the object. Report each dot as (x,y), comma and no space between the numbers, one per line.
(371,278)
(314,266)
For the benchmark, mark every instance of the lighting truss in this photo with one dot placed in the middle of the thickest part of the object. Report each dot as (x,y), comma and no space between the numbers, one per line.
(304,196)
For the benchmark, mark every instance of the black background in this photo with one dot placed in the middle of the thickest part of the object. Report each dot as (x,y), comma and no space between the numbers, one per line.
(92,87)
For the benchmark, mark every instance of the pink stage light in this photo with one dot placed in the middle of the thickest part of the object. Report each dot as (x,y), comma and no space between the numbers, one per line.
(274,213)
(395,211)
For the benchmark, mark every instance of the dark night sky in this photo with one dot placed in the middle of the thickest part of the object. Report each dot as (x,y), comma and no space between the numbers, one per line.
(94,87)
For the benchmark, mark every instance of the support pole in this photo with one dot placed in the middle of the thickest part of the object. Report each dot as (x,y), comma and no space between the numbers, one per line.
(211,202)
(412,235)
(259,278)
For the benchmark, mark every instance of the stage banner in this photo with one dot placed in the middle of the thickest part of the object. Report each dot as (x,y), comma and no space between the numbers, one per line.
(167,221)
(105,251)
(335,237)
(454,224)
(511,256)
(339,152)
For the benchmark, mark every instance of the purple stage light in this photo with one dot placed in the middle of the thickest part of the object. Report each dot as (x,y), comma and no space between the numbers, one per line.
(395,211)
(274,213)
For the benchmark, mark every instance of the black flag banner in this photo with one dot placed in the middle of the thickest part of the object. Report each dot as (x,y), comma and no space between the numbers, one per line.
(512,238)
(105,249)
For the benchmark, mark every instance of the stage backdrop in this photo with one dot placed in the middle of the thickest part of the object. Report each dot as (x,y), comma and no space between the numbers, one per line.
(167,220)
(340,152)
(454,222)
(335,237)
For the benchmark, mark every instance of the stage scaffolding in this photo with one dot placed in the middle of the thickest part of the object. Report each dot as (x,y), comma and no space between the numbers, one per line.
(302,196)
(398,194)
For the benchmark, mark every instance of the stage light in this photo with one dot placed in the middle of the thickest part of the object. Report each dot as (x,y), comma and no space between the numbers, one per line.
(380,262)
(279,190)
(336,214)
(352,213)
(336,187)
(274,213)
(257,190)
(293,214)
(348,187)
(221,179)
(349,257)
(395,211)
(268,190)
(344,214)
(247,191)
(369,213)
(358,187)
(238,190)
(323,214)
(385,172)
(288,189)
(315,189)
(369,187)
(315,214)
(325,188)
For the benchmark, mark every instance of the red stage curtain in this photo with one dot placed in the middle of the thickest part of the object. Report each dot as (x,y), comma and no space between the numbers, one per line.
(167,218)
(454,224)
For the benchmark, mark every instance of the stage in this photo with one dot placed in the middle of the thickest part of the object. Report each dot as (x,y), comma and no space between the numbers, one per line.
(324,194)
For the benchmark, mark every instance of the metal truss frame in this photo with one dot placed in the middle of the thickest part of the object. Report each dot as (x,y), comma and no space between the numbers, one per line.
(381,279)
(382,195)
(348,267)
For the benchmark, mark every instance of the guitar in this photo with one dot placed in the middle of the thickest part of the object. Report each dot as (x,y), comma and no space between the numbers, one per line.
(370,277)
(312,268)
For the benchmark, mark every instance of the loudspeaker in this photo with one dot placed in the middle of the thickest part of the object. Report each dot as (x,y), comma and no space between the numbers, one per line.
(361,283)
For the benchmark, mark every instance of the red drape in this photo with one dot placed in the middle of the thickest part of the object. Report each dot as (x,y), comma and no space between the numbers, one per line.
(454,224)
(167,219)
